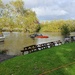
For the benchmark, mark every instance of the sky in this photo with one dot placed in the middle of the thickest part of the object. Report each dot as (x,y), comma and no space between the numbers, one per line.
(51,9)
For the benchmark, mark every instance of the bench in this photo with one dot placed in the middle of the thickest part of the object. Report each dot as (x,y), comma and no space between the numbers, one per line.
(38,47)
(30,49)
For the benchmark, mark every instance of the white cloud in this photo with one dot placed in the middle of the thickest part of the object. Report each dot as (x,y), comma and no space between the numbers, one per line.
(54,8)
(49,11)
(46,8)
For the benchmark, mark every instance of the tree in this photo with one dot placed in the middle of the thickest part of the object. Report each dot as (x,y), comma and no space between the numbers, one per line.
(18,17)
(65,30)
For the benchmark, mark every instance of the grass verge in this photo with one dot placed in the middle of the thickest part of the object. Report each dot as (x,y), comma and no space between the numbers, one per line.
(42,62)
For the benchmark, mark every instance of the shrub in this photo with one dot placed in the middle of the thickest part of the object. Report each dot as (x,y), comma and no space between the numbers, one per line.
(65,30)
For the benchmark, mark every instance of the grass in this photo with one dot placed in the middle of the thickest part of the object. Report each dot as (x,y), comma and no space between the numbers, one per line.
(44,61)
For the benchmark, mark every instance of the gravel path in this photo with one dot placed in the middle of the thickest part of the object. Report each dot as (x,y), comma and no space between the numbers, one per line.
(4,57)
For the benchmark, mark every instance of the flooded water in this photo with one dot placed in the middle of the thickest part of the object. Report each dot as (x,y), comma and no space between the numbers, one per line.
(15,42)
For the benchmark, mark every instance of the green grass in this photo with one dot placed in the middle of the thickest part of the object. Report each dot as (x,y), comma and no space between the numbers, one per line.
(42,61)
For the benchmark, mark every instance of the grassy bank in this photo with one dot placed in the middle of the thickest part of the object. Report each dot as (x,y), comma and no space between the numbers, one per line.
(58,60)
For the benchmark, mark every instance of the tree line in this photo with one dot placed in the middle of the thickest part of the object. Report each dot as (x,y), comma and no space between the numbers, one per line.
(57,25)
(15,17)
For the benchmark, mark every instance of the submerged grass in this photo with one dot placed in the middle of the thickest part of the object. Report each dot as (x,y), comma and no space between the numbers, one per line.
(42,62)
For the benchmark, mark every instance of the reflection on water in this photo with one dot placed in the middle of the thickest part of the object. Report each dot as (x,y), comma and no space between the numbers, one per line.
(16,41)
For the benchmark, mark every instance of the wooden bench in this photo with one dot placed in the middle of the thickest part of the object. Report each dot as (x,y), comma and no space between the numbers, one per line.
(42,46)
(30,49)
(50,44)
(38,47)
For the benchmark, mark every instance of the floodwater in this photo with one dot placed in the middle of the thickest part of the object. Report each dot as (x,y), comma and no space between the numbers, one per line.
(15,42)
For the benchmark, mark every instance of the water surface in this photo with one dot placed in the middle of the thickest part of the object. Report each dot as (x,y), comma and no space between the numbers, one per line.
(16,41)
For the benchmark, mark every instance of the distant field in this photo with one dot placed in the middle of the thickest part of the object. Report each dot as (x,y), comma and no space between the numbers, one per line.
(58,60)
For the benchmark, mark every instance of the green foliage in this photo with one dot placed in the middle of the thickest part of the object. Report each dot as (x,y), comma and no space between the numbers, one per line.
(38,28)
(3,52)
(65,30)
(15,16)
(1,4)
(55,26)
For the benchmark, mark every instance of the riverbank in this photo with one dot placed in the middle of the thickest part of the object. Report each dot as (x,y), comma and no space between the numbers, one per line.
(58,60)
(4,57)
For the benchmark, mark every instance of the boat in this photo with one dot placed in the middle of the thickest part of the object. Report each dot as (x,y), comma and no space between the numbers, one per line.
(42,36)
(34,35)
(38,36)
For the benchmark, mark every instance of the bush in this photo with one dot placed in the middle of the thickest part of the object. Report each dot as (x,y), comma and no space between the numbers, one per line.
(3,51)
(65,30)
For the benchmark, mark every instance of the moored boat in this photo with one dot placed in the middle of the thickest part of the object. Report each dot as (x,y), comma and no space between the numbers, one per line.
(35,35)
(38,36)
(42,36)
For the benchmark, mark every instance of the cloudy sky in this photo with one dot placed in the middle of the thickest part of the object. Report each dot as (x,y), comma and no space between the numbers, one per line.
(51,9)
